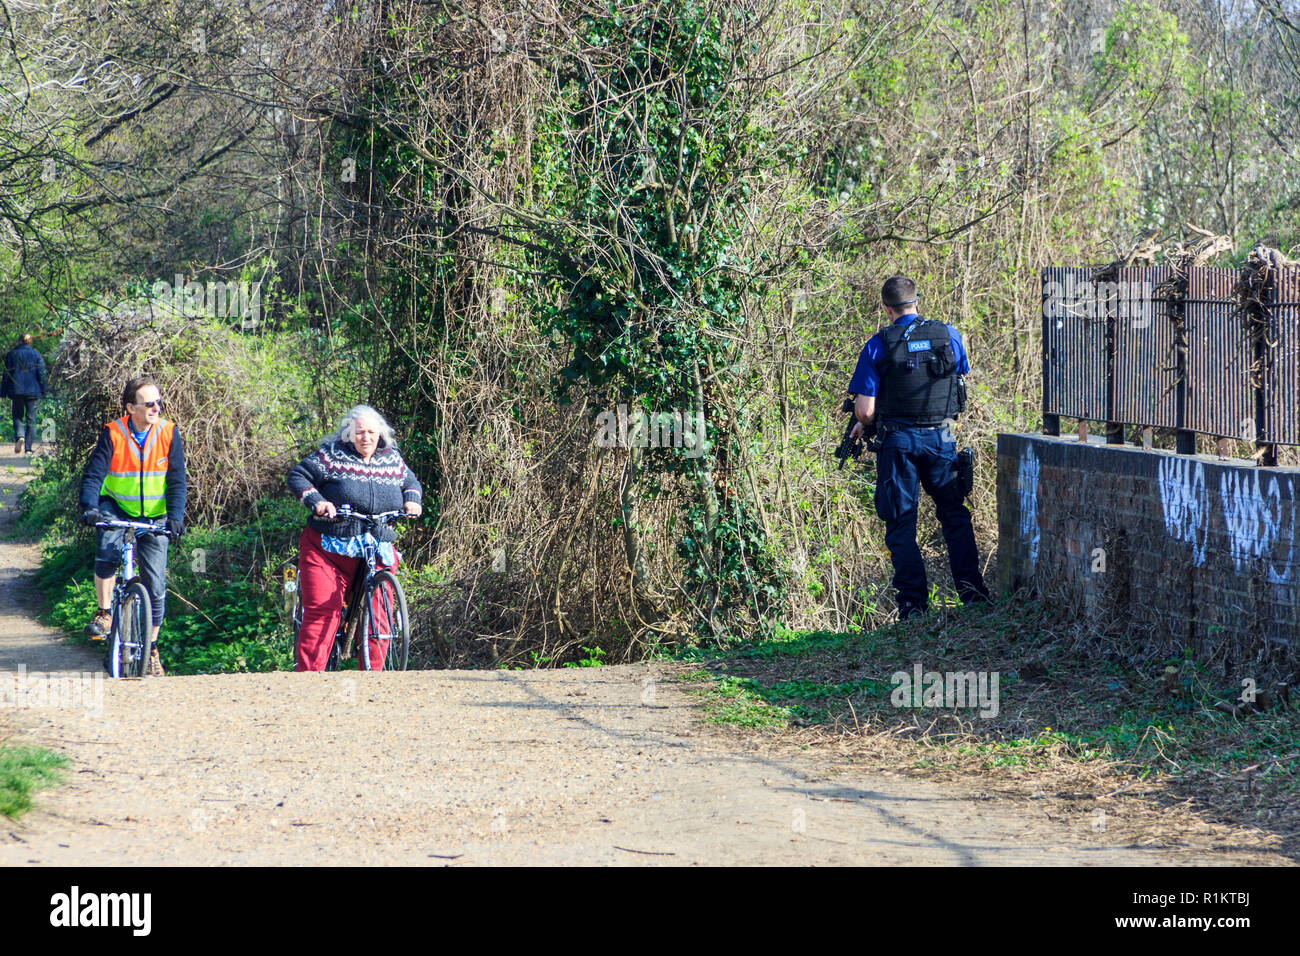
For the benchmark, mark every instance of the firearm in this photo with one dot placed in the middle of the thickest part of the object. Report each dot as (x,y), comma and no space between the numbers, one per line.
(849,446)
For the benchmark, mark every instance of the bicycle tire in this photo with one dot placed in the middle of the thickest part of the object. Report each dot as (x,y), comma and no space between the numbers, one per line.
(132,632)
(386,590)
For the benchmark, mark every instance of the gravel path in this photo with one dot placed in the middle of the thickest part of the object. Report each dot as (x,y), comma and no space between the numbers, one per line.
(591,766)
(23,642)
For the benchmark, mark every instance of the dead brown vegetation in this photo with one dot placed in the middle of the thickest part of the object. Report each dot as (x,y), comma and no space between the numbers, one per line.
(242,416)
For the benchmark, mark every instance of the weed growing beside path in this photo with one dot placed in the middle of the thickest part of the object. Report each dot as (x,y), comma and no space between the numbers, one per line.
(23,771)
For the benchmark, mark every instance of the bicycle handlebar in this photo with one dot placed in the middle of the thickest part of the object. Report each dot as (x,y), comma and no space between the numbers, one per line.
(345,513)
(137,525)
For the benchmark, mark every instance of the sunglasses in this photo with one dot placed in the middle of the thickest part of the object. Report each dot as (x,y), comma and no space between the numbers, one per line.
(157,404)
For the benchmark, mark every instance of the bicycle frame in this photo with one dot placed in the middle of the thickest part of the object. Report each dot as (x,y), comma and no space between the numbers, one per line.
(127,559)
(127,575)
(360,588)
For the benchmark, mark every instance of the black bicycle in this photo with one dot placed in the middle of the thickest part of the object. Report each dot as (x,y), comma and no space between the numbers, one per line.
(373,608)
(130,637)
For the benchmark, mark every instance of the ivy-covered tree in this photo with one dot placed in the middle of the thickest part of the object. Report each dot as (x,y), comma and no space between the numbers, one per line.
(646,172)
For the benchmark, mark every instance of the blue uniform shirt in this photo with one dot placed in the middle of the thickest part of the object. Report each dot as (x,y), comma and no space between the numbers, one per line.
(866,377)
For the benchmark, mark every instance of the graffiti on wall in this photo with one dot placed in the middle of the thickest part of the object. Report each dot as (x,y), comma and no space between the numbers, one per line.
(1185,503)
(1256,512)
(1027,492)
(1251,515)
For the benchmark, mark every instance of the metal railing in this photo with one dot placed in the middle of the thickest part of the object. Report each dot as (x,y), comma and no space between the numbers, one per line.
(1203,350)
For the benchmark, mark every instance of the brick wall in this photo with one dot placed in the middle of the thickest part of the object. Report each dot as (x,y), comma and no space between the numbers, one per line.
(1170,550)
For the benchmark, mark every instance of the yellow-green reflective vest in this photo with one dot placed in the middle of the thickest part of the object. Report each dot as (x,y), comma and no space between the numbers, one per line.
(137,480)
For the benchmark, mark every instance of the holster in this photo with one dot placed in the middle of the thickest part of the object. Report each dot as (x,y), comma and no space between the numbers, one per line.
(881,431)
(966,471)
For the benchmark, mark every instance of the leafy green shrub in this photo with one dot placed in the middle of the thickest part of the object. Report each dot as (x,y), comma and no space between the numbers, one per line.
(46,506)
(238,630)
(66,579)
(592,657)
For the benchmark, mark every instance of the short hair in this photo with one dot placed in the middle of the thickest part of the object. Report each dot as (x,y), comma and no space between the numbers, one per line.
(133,387)
(26,338)
(898,290)
(347,426)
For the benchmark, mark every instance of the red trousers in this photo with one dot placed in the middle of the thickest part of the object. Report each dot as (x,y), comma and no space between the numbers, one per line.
(323,582)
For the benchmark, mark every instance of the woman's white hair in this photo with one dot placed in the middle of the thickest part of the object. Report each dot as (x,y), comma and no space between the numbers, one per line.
(347,427)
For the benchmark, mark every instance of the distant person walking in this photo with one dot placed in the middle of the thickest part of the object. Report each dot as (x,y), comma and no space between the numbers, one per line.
(24,383)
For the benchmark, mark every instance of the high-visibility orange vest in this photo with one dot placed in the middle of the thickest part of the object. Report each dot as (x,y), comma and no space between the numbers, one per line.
(138,482)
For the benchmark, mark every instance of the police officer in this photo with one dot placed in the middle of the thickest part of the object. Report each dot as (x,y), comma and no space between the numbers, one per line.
(909,380)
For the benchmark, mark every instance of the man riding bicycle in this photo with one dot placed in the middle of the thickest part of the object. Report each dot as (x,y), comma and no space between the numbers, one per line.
(358,466)
(135,473)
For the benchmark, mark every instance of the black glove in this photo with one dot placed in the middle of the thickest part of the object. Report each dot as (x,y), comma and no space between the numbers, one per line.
(92,516)
(175,527)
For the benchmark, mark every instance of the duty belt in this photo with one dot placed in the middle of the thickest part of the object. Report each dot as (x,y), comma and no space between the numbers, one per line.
(887,427)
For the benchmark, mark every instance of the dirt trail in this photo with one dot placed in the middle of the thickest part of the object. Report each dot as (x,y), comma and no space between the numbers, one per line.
(594,766)
(24,642)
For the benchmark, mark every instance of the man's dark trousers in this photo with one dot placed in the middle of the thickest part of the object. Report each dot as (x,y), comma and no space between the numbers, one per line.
(910,455)
(24,408)
(150,555)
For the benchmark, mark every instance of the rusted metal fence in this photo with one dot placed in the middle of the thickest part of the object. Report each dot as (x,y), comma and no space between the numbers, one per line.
(1158,348)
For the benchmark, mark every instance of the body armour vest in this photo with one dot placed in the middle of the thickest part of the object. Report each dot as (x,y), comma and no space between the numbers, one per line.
(919,382)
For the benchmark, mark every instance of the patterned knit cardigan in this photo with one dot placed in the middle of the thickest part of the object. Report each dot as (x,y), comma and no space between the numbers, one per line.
(334,472)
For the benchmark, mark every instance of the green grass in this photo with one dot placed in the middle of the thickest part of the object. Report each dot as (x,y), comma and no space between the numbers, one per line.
(1039,750)
(813,690)
(736,702)
(785,643)
(23,771)
(1113,709)
(743,702)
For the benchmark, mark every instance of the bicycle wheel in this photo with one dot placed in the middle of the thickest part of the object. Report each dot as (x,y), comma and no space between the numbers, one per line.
(386,619)
(132,632)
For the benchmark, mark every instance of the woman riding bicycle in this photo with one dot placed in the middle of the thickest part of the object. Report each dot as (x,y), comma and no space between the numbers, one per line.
(357,466)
